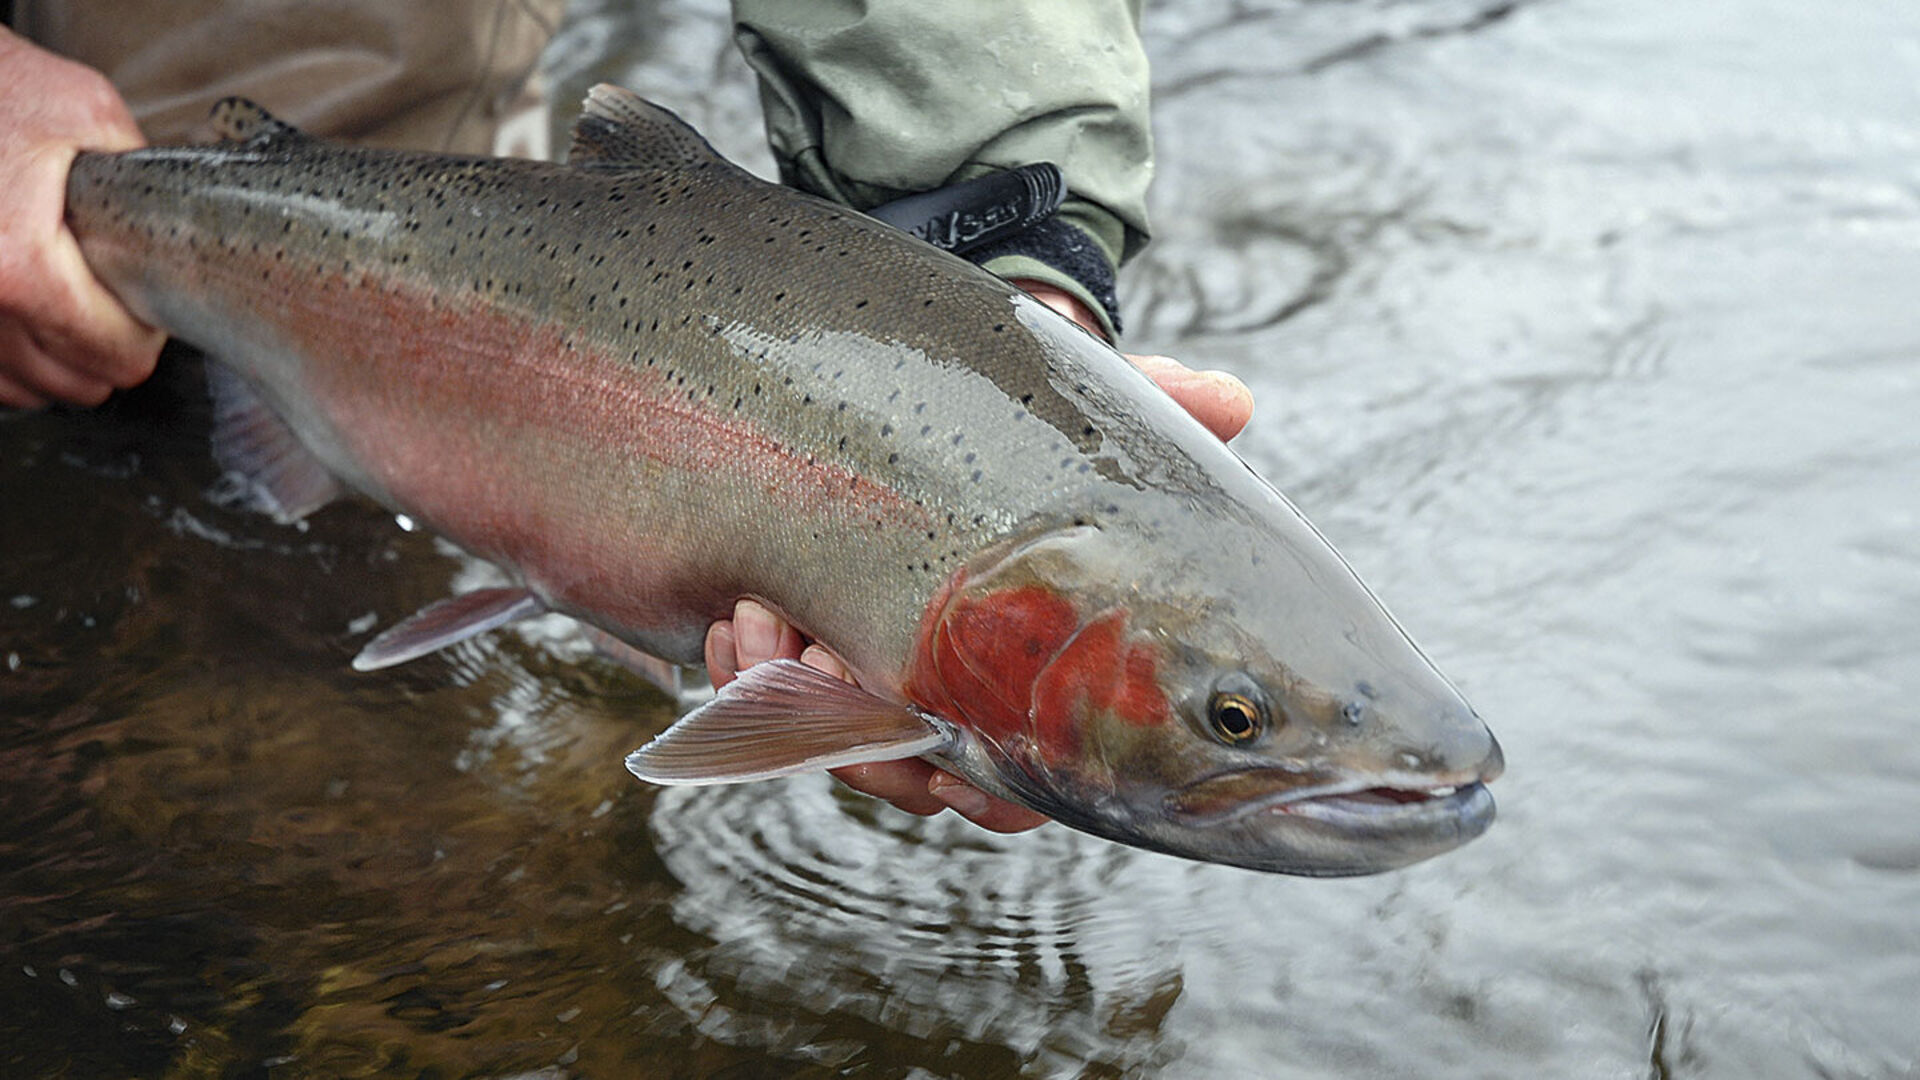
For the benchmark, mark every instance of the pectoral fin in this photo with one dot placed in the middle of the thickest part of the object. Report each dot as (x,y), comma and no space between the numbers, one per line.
(437,626)
(780,718)
(665,674)
(270,469)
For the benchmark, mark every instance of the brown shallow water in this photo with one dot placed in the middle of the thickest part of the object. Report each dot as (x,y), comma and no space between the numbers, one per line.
(1587,331)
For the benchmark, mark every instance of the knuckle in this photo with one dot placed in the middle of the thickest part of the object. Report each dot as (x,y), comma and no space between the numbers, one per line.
(132,368)
(23,273)
(89,392)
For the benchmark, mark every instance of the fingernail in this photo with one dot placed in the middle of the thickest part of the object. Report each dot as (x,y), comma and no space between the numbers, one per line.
(722,660)
(756,632)
(822,660)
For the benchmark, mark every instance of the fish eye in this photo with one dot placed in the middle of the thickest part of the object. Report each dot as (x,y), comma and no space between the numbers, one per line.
(1237,711)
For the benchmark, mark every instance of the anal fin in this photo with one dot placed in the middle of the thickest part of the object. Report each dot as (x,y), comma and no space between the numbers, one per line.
(452,620)
(780,718)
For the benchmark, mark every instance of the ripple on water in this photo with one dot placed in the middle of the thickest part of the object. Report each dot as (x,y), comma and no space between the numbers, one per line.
(930,927)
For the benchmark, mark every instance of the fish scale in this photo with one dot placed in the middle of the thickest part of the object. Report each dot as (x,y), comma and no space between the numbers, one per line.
(650,384)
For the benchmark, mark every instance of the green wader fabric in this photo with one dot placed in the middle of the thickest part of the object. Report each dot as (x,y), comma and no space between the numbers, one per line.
(866,102)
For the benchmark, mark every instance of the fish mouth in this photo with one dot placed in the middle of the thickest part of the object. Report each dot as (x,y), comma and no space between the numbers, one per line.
(1397,810)
(1382,805)
(1289,822)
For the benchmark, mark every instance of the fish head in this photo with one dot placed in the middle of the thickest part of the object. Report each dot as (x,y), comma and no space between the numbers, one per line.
(1274,718)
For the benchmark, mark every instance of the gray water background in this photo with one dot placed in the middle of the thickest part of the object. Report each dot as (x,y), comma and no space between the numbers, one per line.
(1589,332)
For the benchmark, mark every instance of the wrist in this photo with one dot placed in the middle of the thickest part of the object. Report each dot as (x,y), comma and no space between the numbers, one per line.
(1061,254)
(1057,296)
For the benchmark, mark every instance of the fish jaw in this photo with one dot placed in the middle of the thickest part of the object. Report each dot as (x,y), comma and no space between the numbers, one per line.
(1329,824)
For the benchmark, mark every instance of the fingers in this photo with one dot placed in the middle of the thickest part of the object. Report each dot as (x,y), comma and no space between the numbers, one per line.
(984,810)
(76,320)
(761,635)
(74,344)
(919,788)
(816,656)
(902,783)
(1221,403)
(63,336)
(15,395)
(753,634)
(1065,303)
(723,658)
(32,378)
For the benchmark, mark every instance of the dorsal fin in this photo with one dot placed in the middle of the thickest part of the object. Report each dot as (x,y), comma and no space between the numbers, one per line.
(621,128)
(237,120)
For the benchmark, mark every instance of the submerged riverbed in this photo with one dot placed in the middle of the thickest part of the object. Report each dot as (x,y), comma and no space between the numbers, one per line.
(1585,330)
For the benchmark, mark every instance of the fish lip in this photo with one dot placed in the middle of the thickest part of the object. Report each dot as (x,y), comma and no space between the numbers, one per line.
(1326,824)
(1464,809)
(1407,801)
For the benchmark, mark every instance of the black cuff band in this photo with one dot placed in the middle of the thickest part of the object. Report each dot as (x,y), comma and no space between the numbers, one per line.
(964,216)
(1065,248)
(1008,213)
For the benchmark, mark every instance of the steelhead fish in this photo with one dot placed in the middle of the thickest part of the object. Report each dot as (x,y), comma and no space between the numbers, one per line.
(650,384)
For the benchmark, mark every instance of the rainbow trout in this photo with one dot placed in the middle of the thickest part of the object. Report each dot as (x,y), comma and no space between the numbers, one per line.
(650,384)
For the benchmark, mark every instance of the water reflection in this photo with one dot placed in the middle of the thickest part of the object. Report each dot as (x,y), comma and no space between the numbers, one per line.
(929,927)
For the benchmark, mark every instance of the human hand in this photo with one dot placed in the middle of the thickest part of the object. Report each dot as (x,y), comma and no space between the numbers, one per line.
(1221,403)
(1218,400)
(63,336)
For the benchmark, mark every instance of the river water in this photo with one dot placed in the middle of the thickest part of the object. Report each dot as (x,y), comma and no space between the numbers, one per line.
(1588,331)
